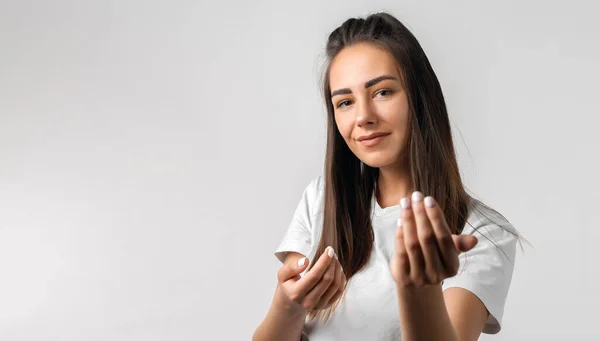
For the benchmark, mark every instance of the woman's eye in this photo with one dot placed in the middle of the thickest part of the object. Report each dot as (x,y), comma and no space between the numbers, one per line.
(343,104)
(384,92)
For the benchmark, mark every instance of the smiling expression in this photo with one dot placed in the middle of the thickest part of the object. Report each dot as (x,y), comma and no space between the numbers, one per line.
(370,105)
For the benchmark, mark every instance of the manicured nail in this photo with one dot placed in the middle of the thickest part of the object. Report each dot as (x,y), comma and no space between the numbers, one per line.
(417,196)
(301,262)
(330,251)
(405,203)
(429,202)
(399,223)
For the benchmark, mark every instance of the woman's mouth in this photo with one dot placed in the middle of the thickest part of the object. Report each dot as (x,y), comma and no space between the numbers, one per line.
(372,140)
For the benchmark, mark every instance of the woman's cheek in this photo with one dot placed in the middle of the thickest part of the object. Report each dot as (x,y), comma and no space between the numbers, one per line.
(345,128)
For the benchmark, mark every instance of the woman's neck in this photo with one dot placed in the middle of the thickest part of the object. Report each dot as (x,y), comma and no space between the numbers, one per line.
(393,184)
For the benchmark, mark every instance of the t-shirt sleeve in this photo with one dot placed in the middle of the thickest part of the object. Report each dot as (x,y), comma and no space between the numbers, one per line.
(298,236)
(486,270)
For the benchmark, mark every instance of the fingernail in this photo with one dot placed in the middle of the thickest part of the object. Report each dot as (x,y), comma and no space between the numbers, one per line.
(330,251)
(429,202)
(405,203)
(399,223)
(301,262)
(417,196)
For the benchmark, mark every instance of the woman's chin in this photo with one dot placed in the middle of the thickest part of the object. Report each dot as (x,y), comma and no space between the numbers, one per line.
(377,161)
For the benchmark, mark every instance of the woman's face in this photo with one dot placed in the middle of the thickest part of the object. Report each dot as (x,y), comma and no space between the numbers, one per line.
(370,104)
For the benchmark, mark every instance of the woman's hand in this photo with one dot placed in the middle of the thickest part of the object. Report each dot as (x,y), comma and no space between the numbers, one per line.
(426,251)
(320,287)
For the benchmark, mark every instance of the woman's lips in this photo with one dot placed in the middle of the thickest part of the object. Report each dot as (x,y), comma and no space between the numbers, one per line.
(373,141)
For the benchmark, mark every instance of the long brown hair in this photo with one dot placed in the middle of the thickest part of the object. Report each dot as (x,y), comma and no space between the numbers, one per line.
(350,184)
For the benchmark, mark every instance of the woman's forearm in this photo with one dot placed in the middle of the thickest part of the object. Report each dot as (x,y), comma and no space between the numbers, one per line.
(281,323)
(423,314)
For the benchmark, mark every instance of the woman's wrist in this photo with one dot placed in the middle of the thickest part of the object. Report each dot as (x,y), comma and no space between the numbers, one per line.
(430,290)
(282,305)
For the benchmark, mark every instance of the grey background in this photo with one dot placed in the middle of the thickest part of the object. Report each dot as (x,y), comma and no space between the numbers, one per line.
(152,153)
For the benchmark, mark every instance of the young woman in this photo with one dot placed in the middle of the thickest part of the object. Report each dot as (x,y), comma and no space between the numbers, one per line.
(398,250)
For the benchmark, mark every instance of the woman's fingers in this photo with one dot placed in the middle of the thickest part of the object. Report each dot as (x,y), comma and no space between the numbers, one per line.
(425,244)
(433,267)
(400,265)
(340,289)
(464,243)
(312,298)
(411,243)
(333,287)
(314,275)
(292,270)
(443,236)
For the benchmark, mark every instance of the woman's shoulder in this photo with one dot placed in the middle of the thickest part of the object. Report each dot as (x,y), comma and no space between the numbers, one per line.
(482,214)
(483,220)
(315,189)
(317,184)
(314,195)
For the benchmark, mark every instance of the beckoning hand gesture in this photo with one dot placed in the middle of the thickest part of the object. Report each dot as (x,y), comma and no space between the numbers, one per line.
(426,251)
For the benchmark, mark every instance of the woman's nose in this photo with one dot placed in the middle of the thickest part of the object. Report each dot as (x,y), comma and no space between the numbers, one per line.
(365,114)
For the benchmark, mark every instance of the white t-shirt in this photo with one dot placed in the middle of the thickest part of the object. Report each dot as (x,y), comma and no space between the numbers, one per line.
(369,310)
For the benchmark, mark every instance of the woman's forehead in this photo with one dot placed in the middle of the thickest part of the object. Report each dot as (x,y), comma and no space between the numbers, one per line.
(357,64)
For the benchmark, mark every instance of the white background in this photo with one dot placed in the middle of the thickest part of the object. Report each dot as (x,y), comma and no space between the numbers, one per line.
(152,154)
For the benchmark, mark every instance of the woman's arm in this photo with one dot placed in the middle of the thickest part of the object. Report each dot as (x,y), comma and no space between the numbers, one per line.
(427,313)
(295,295)
(281,323)
(426,254)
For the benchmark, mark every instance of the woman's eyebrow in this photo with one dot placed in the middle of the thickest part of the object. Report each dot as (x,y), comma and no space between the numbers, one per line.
(374,81)
(368,84)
